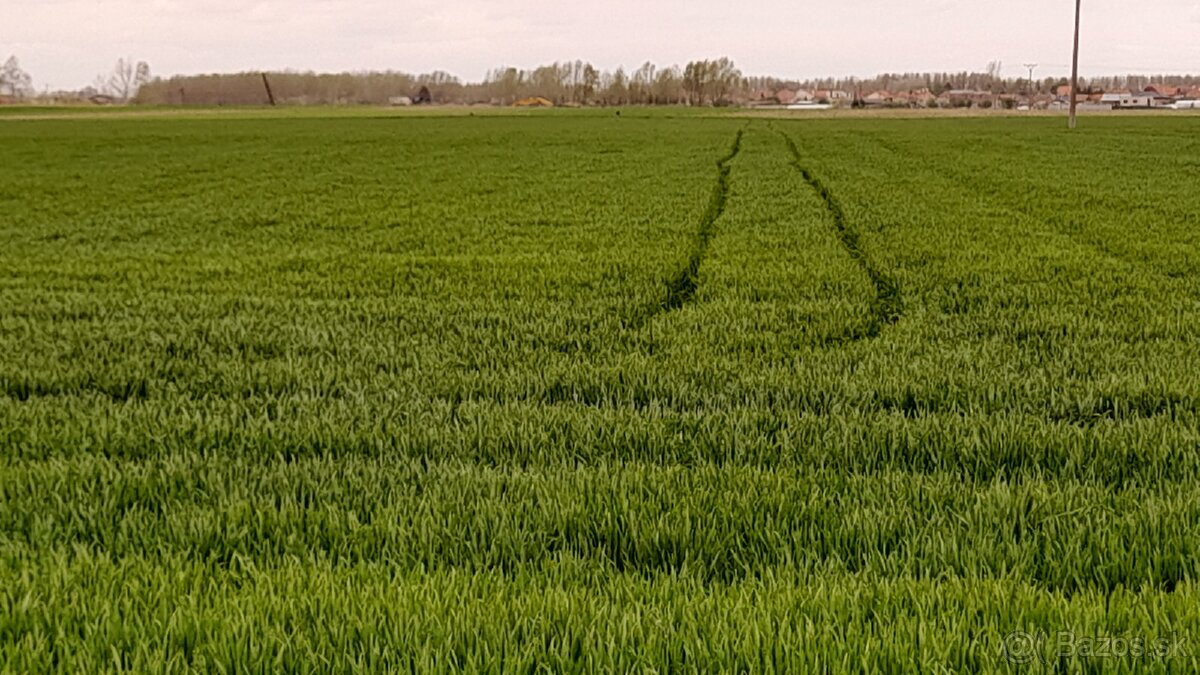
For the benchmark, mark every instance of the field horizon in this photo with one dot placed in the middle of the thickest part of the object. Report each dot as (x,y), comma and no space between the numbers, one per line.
(142,111)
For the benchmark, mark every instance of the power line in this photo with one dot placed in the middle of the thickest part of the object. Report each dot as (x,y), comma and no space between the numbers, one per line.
(1075,68)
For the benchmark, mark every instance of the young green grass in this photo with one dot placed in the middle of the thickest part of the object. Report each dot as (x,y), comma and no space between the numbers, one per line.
(368,393)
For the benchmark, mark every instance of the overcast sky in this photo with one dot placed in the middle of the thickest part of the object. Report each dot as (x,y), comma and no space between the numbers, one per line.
(66,43)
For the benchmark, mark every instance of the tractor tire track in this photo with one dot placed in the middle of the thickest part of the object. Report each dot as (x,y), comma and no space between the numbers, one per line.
(888,305)
(682,287)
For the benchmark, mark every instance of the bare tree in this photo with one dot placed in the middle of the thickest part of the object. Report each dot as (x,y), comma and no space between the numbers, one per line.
(711,81)
(615,86)
(668,86)
(641,85)
(547,81)
(127,78)
(581,79)
(14,81)
(591,81)
(726,80)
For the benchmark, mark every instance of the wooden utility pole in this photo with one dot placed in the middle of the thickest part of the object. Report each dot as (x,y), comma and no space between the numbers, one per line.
(267,84)
(1075,68)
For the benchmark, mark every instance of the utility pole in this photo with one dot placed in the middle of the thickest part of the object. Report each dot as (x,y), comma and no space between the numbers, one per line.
(267,84)
(1075,68)
(1031,66)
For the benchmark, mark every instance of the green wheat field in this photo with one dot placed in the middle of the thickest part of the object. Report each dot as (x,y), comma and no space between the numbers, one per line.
(579,392)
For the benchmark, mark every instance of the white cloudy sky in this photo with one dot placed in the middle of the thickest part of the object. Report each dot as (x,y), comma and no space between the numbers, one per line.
(66,43)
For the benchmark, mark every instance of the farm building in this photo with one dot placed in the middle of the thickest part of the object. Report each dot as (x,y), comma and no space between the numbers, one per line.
(880,97)
(1165,90)
(831,95)
(1144,99)
(962,97)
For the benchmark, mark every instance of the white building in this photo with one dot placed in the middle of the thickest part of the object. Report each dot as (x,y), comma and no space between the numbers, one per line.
(1143,99)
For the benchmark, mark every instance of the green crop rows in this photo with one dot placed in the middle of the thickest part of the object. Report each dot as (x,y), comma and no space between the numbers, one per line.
(575,392)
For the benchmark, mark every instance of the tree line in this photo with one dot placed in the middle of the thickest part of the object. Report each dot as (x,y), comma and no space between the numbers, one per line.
(706,82)
(702,82)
